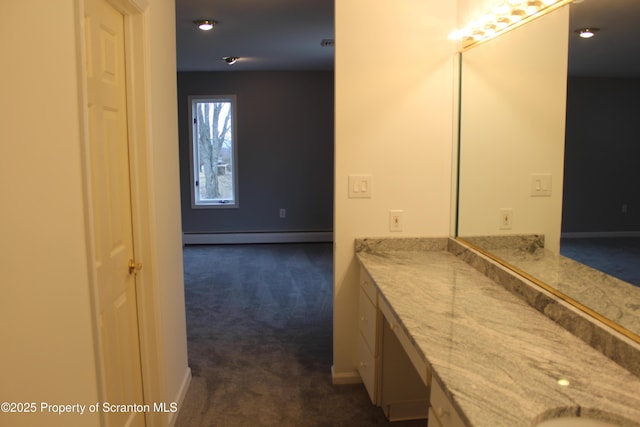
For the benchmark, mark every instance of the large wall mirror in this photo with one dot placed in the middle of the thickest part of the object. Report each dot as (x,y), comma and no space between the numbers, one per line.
(549,144)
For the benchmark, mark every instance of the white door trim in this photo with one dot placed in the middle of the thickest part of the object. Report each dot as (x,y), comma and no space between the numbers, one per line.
(136,32)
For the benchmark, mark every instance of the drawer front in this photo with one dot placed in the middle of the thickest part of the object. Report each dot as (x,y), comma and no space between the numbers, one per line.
(367,369)
(368,315)
(442,408)
(367,284)
(418,362)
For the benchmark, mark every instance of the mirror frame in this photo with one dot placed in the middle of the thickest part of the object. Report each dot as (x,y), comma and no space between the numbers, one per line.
(455,204)
(585,309)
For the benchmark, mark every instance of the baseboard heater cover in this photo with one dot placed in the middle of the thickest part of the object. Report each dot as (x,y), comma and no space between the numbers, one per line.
(249,238)
(592,234)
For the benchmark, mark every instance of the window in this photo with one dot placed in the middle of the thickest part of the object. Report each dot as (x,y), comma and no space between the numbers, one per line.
(213,154)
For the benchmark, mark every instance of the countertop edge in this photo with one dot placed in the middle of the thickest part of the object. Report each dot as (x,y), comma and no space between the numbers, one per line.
(381,246)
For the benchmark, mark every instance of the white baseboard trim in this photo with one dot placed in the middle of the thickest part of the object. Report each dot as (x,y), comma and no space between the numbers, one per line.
(184,387)
(351,377)
(250,238)
(588,234)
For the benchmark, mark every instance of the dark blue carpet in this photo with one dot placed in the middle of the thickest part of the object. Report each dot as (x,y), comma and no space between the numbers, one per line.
(616,256)
(259,332)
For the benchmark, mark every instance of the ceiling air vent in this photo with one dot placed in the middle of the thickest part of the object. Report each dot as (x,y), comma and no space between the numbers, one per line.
(327,42)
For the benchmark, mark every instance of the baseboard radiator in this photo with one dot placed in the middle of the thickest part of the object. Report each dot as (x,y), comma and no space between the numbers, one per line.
(251,238)
(592,234)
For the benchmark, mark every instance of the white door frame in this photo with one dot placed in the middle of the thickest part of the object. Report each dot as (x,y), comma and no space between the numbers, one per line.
(137,65)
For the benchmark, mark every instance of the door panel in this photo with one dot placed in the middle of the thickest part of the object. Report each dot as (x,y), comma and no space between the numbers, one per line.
(111,203)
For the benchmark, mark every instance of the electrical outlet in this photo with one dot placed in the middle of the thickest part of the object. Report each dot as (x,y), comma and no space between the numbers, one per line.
(506,218)
(395,220)
(283,213)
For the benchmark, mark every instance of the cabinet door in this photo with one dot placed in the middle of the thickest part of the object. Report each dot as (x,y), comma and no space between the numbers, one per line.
(368,322)
(367,370)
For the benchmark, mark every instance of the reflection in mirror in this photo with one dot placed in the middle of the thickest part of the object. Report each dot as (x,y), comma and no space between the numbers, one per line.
(516,91)
(601,208)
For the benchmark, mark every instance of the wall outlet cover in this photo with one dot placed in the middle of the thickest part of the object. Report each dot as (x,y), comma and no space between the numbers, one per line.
(395,220)
(506,219)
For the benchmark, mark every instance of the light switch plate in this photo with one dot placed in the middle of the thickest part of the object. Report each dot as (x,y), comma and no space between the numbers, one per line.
(360,186)
(541,185)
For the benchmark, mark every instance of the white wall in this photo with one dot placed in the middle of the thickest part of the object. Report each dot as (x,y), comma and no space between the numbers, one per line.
(513,122)
(394,109)
(45,316)
(165,220)
(47,344)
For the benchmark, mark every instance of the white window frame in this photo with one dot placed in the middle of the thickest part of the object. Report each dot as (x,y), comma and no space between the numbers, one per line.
(196,202)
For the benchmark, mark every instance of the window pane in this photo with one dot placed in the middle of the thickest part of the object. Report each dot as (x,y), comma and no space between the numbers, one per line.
(214,162)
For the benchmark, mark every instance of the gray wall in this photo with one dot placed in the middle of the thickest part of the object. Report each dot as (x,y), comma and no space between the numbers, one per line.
(285,138)
(602,155)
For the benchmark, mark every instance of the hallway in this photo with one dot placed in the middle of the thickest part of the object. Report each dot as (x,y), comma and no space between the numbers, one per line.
(259,331)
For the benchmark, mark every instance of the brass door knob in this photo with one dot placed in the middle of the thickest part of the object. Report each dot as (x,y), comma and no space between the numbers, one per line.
(134,267)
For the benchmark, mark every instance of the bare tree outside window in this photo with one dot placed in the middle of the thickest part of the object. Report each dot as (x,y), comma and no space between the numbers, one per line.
(214,151)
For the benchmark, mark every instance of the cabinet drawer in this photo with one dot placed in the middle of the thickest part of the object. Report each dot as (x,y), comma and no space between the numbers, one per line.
(443,409)
(367,369)
(368,321)
(367,284)
(407,344)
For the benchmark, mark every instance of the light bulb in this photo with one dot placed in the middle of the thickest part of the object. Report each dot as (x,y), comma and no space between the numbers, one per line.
(503,9)
(502,22)
(533,6)
(455,35)
(478,34)
(490,29)
(587,33)
(517,15)
(205,24)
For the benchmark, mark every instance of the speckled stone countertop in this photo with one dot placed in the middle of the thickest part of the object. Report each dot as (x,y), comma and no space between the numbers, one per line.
(613,298)
(498,359)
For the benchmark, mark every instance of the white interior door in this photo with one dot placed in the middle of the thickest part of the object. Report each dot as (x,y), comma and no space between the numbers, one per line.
(111,202)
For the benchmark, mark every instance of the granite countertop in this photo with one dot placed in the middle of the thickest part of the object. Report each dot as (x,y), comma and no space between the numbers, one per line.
(498,359)
(613,298)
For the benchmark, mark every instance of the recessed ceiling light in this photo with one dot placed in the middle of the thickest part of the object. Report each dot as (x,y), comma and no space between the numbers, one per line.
(230,59)
(205,24)
(587,33)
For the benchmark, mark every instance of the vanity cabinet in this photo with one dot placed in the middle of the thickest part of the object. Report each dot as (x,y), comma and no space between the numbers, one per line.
(395,377)
(441,410)
(369,344)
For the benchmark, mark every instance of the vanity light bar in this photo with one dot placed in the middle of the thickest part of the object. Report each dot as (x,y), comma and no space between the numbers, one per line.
(504,17)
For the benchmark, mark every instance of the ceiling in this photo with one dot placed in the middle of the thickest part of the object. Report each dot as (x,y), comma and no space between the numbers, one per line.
(287,35)
(615,50)
(264,34)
